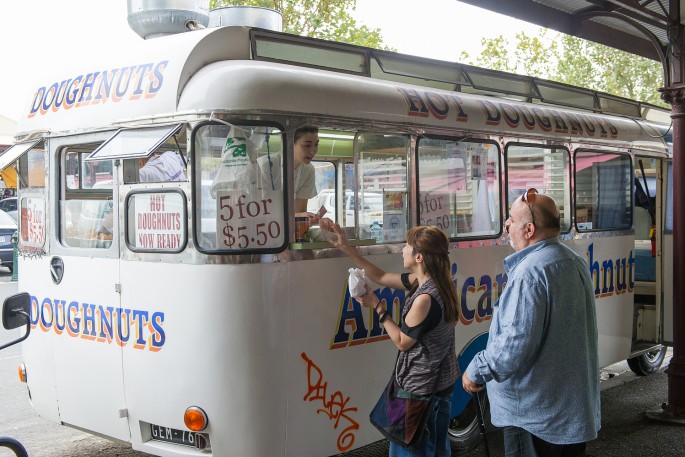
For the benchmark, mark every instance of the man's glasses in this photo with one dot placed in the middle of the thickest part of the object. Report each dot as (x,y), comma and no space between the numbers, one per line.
(529,197)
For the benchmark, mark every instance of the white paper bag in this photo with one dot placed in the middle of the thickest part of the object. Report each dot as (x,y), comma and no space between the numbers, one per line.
(357,282)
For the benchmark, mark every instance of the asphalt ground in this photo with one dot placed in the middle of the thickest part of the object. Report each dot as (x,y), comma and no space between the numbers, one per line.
(626,430)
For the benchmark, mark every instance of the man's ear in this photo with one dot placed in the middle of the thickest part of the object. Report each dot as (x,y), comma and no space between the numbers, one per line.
(531,229)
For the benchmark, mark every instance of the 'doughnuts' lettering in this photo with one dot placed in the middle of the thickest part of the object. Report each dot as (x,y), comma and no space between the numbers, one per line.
(128,83)
(139,329)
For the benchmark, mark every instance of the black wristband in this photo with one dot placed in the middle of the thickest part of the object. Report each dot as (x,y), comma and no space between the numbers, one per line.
(383,315)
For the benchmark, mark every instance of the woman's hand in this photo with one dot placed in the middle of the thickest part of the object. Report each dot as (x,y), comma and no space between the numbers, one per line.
(340,240)
(326,224)
(369,299)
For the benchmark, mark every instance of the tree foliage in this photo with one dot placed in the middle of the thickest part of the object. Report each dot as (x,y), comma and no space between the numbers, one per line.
(530,57)
(573,61)
(325,19)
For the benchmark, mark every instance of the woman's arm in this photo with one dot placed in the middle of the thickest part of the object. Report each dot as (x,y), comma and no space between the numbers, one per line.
(373,272)
(416,315)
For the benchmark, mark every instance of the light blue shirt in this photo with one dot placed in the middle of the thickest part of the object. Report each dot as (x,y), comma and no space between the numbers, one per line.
(541,362)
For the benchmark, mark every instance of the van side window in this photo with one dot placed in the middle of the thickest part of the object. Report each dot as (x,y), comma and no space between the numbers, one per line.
(30,210)
(380,205)
(459,187)
(604,183)
(32,168)
(85,199)
(644,190)
(333,162)
(239,197)
(545,168)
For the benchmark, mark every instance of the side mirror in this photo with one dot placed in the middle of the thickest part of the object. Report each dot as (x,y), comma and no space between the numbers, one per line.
(15,313)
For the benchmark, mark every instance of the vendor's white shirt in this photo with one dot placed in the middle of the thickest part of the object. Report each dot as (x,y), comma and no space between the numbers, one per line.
(166,167)
(305,176)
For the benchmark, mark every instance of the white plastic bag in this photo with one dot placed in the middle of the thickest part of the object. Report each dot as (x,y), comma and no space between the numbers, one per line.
(357,282)
(238,170)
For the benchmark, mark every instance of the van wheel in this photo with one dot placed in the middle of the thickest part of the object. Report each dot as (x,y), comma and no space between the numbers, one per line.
(464,431)
(647,363)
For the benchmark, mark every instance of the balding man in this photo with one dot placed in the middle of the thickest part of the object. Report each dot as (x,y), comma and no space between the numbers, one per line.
(541,363)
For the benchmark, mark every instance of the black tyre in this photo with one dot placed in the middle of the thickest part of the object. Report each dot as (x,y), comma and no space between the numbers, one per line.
(647,363)
(464,432)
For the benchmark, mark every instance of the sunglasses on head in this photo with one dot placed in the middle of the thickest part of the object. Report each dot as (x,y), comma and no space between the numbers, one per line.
(529,197)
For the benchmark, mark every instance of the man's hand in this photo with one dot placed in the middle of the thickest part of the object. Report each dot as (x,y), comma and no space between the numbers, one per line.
(470,386)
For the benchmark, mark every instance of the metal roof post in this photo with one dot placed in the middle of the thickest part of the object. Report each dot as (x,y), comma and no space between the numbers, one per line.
(674,94)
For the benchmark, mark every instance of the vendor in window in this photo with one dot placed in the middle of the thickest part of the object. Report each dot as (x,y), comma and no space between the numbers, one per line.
(167,166)
(306,145)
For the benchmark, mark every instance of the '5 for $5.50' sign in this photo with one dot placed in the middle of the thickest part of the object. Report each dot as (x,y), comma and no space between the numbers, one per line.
(249,221)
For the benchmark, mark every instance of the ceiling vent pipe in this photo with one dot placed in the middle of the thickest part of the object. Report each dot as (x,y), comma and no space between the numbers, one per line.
(154,18)
(250,16)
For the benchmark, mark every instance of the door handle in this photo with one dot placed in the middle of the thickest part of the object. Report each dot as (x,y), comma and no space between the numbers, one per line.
(56,269)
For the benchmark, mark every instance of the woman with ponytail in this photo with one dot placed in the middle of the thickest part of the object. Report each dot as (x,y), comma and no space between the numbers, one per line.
(424,331)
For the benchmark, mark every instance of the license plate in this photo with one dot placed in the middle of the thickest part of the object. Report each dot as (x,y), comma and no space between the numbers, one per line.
(171,435)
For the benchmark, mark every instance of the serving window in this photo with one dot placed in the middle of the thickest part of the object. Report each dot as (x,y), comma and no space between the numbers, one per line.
(378,210)
(239,190)
(459,187)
